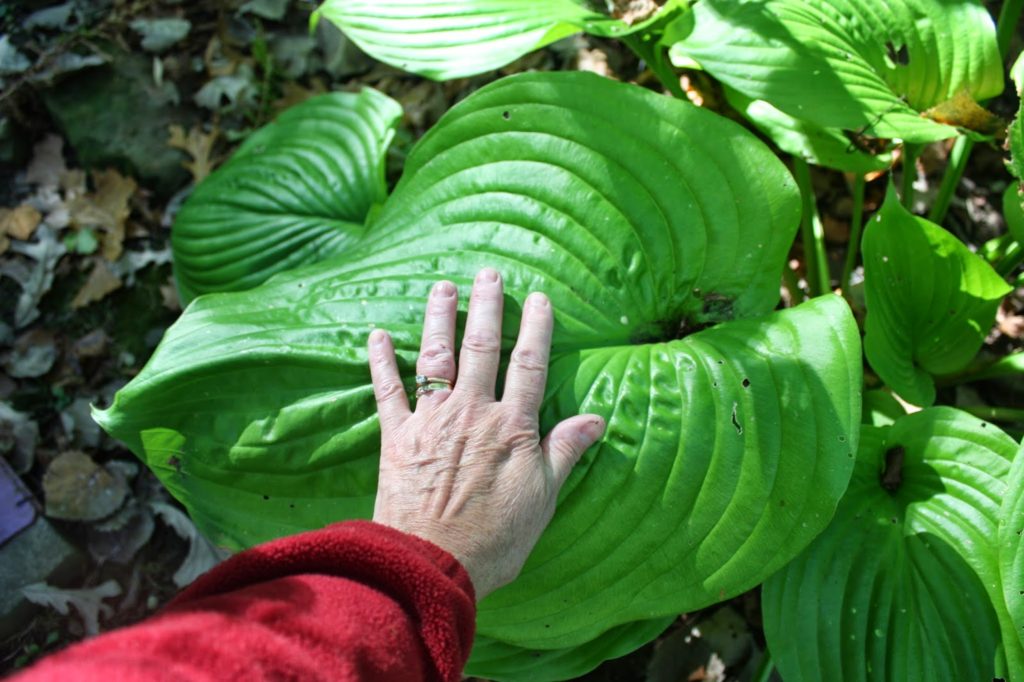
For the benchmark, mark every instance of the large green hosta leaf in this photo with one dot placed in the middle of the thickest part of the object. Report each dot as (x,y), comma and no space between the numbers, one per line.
(930,301)
(1011,561)
(861,65)
(644,219)
(296,192)
(902,584)
(455,38)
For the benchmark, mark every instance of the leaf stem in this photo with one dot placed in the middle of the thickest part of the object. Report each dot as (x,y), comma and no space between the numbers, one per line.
(1013,257)
(856,227)
(650,51)
(997,414)
(792,284)
(1009,15)
(910,152)
(765,668)
(812,232)
(951,178)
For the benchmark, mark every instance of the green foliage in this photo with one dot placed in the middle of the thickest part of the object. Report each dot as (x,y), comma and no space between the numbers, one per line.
(325,163)
(930,301)
(901,586)
(466,37)
(821,146)
(257,411)
(1011,561)
(860,65)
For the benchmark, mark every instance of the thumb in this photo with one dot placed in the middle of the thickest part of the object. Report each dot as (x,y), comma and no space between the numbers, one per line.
(567,442)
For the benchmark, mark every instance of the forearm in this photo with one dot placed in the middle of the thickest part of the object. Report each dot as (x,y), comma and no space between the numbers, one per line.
(355,601)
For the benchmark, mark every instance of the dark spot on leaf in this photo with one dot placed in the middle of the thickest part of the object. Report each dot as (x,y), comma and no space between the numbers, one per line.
(842,439)
(174,463)
(894,520)
(892,475)
(782,503)
(291,506)
(266,497)
(506,115)
(746,383)
(721,362)
(899,57)
(735,419)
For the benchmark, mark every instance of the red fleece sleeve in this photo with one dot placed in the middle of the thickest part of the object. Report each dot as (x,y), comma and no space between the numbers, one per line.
(355,601)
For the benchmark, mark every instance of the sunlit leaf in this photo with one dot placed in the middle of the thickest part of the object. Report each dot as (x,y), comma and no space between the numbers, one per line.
(444,40)
(930,301)
(659,231)
(1011,560)
(901,585)
(859,65)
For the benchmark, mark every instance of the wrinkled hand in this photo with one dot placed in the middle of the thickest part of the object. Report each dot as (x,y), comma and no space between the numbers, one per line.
(465,471)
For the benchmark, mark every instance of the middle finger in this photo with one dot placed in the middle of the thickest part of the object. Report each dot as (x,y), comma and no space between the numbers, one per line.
(481,344)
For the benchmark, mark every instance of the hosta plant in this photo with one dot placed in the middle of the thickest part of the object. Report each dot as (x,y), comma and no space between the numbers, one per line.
(658,230)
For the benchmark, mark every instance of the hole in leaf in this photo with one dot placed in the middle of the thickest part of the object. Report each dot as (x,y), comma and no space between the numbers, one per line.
(892,475)
(506,115)
(900,56)
(266,497)
(735,420)
(746,383)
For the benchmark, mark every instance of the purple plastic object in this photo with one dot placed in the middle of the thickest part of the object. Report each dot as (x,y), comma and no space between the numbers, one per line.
(17,508)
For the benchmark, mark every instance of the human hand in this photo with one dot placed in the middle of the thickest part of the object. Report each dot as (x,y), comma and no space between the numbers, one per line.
(465,471)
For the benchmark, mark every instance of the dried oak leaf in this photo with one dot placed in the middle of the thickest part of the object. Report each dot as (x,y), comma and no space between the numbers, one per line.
(20,222)
(102,281)
(106,210)
(78,489)
(199,146)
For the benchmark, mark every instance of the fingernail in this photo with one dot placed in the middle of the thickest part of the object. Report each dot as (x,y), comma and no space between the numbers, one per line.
(444,289)
(537,300)
(593,430)
(377,337)
(487,275)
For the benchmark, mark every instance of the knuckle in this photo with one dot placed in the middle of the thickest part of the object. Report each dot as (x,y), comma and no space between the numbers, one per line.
(481,342)
(386,390)
(529,359)
(437,353)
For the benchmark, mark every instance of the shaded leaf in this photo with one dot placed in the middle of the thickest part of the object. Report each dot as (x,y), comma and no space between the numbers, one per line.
(101,281)
(1013,212)
(930,301)
(859,65)
(325,159)
(34,274)
(202,554)
(78,489)
(901,584)
(827,147)
(158,35)
(88,603)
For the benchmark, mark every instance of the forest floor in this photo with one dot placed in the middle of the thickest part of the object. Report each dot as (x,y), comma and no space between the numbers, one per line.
(108,118)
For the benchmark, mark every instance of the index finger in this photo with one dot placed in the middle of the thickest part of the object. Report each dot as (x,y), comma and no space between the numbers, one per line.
(528,367)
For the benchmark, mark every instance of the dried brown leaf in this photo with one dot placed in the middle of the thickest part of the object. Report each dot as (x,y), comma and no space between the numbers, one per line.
(199,146)
(634,11)
(20,222)
(78,489)
(962,111)
(101,282)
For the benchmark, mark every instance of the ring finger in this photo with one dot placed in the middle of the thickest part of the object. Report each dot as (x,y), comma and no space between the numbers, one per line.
(437,355)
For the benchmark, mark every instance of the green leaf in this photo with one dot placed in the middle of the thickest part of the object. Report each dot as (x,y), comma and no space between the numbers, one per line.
(1011,562)
(902,584)
(466,37)
(859,65)
(1013,211)
(645,219)
(827,147)
(930,301)
(494,660)
(324,160)
(1015,143)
